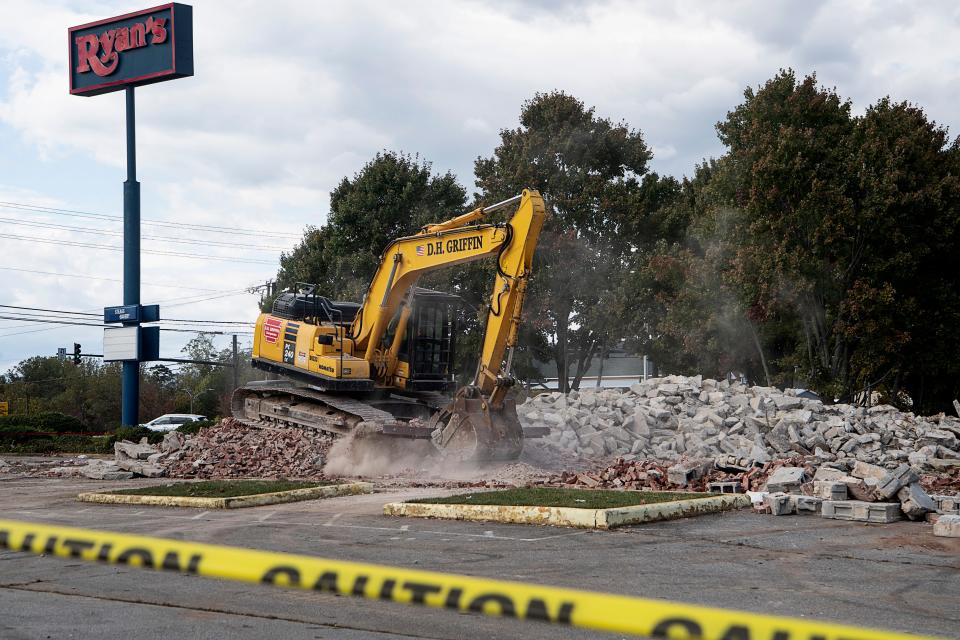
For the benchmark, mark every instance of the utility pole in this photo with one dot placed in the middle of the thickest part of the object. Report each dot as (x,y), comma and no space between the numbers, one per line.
(236,364)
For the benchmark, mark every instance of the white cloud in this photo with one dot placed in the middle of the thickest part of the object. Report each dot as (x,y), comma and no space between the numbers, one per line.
(291,96)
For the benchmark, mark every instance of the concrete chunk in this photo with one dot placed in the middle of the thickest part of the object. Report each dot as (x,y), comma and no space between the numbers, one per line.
(807,505)
(684,472)
(829,490)
(859,511)
(947,527)
(125,449)
(785,479)
(779,504)
(892,482)
(915,502)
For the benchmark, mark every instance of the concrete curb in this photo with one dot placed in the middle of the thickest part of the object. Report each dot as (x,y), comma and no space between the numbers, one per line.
(570,516)
(237,502)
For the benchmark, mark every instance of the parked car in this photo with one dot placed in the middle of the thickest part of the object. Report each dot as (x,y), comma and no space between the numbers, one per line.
(170,421)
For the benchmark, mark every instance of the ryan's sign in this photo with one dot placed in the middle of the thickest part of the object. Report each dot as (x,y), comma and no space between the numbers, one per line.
(131,50)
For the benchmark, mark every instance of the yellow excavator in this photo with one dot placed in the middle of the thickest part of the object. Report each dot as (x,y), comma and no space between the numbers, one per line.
(385,366)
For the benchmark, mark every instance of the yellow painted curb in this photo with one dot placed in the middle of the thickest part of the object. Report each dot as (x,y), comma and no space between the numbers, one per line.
(570,516)
(236,502)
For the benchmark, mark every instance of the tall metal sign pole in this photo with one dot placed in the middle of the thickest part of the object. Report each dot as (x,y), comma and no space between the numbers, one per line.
(124,52)
(130,396)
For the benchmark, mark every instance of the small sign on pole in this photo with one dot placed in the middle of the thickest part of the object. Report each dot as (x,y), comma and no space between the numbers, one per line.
(4,410)
(121,344)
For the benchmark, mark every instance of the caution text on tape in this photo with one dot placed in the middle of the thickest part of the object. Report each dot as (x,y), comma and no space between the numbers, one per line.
(608,612)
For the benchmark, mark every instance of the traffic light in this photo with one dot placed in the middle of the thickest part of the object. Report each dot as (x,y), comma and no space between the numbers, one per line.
(76,353)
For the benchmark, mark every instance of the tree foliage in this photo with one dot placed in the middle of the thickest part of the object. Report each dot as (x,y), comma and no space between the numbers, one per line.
(821,249)
(592,175)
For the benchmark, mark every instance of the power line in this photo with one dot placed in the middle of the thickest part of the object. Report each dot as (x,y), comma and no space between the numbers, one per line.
(89,324)
(20,206)
(86,277)
(110,232)
(106,247)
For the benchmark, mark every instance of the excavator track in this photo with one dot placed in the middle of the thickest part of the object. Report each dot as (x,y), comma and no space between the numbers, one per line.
(417,416)
(295,405)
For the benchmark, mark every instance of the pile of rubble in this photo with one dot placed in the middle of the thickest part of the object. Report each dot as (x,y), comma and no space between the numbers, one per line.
(689,475)
(736,425)
(231,449)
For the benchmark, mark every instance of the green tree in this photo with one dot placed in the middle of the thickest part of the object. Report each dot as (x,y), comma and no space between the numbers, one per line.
(392,196)
(589,170)
(807,243)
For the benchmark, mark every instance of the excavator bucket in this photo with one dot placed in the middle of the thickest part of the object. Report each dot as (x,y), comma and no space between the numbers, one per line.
(472,430)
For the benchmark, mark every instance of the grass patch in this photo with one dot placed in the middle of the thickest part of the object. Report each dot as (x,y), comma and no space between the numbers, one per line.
(220,488)
(557,497)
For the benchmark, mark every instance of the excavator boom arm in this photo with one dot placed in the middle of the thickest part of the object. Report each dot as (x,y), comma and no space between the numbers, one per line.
(443,245)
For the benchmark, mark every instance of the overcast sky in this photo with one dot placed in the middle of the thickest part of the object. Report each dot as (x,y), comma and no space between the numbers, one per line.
(289,97)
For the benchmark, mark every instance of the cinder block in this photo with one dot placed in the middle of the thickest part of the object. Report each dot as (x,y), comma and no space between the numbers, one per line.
(725,487)
(780,504)
(859,511)
(947,527)
(830,490)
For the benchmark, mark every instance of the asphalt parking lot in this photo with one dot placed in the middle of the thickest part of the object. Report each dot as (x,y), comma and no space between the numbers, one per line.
(896,576)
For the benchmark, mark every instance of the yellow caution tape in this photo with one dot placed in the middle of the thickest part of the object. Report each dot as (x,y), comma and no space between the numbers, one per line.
(607,612)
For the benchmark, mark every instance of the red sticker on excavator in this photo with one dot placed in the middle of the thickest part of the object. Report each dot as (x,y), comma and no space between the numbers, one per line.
(271,330)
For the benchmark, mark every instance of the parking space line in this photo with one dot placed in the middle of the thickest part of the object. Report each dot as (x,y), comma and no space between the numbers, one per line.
(334,518)
(227,518)
(264,517)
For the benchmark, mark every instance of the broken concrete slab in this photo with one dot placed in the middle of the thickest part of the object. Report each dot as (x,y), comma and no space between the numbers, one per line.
(786,479)
(860,511)
(133,451)
(915,502)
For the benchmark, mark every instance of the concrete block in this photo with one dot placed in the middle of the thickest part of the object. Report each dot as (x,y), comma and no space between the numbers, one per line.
(725,487)
(829,490)
(683,473)
(947,527)
(807,505)
(915,502)
(785,479)
(860,511)
(779,504)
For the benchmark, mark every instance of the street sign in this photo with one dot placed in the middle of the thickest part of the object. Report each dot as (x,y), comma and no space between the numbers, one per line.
(131,50)
(3,409)
(125,313)
(62,354)
(121,344)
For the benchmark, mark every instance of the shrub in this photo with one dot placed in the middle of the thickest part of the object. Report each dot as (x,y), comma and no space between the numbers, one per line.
(191,428)
(60,444)
(47,421)
(134,434)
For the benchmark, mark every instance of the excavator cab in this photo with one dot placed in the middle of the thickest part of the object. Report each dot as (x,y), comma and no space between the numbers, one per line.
(426,359)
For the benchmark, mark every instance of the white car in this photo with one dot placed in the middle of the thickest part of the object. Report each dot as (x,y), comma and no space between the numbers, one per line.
(170,421)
